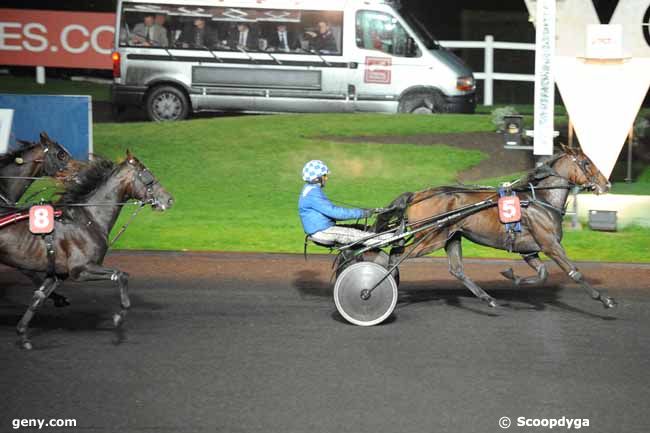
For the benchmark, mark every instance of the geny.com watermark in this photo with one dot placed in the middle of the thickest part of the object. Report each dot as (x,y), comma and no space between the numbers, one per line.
(41,422)
(550,423)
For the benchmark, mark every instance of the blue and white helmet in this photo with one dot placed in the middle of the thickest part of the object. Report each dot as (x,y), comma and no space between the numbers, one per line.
(313,170)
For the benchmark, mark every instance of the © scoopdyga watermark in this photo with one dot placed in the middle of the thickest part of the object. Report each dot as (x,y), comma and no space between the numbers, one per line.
(41,422)
(550,423)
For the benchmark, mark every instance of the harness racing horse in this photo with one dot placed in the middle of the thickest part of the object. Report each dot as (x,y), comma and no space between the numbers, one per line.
(546,190)
(90,208)
(20,168)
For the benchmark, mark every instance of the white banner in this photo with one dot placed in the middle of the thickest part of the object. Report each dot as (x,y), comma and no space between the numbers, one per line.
(544,80)
(6,117)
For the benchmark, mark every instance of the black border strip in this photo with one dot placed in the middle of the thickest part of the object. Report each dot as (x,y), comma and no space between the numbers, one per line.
(225,61)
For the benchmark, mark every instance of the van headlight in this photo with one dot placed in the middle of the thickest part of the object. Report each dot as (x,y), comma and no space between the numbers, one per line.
(466,84)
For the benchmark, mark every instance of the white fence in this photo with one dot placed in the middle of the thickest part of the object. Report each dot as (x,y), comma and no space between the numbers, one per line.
(489,45)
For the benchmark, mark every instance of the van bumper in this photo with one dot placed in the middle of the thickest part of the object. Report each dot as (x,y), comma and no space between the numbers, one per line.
(122,95)
(461,104)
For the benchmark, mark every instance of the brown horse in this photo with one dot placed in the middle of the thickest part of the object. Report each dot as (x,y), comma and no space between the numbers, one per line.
(545,191)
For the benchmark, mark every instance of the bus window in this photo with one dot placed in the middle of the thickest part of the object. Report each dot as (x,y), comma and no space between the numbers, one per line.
(382,32)
(220,28)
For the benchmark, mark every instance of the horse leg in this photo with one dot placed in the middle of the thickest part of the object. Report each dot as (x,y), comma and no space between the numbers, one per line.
(94,272)
(535,263)
(59,300)
(455,255)
(556,252)
(48,286)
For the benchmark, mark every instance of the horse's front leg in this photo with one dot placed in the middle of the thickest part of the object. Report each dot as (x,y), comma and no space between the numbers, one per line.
(534,262)
(556,252)
(59,300)
(48,286)
(95,272)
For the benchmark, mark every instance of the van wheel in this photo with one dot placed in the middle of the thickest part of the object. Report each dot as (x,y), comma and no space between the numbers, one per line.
(166,103)
(420,103)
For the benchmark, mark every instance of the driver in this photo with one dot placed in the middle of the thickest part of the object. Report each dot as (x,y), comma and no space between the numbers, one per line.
(318,215)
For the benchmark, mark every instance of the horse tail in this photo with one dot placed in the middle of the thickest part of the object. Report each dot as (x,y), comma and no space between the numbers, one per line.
(396,211)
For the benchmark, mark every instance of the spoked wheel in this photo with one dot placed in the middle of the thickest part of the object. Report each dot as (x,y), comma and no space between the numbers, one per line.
(358,300)
(166,103)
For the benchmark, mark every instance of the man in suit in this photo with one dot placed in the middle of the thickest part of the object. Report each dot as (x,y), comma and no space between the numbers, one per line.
(199,36)
(244,38)
(324,40)
(149,34)
(283,40)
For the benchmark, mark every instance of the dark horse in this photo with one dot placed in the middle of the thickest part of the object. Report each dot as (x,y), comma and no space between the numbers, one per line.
(90,208)
(546,190)
(20,168)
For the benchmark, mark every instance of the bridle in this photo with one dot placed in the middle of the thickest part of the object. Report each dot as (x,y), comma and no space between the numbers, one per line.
(148,181)
(592,179)
(53,162)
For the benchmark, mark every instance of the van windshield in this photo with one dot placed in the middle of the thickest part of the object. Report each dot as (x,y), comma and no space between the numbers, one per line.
(421,31)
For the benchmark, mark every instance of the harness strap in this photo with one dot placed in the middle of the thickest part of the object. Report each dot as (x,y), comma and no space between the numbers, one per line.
(126,225)
(51,254)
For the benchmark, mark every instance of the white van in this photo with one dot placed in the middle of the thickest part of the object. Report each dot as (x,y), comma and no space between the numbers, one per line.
(175,56)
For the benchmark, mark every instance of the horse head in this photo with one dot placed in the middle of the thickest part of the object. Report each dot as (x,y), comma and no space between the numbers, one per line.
(144,186)
(575,166)
(55,157)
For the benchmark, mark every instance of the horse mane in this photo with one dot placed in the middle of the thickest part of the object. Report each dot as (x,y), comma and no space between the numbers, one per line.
(10,157)
(87,180)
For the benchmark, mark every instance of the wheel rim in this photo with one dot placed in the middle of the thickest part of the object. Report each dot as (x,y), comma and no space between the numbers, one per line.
(353,282)
(421,110)
(167,106)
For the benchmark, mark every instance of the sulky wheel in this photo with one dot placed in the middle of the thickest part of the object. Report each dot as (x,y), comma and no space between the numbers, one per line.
(358,300)
(375,256)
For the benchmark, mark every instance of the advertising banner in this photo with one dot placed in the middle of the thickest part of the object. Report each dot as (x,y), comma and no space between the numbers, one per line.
(56,39)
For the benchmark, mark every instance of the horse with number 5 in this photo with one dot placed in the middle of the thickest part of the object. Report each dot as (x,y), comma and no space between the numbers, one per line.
(544,193)
(89,209)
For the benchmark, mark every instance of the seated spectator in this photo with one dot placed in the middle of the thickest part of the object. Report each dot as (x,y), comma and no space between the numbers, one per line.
(199,36)
(283,40)
(161,20)
(149,34)
(324,40)
(243,37)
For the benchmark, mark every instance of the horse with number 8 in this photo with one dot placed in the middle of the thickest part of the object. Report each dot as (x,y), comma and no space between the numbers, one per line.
(89,208)
(545,192)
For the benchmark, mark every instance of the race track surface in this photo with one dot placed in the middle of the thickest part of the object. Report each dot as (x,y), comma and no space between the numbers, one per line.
(253,343)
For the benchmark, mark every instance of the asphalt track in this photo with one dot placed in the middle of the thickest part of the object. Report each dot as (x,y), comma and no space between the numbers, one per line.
(252,343)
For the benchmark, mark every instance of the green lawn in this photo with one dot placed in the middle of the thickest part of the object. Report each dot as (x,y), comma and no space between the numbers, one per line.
(236,180)
(28,85)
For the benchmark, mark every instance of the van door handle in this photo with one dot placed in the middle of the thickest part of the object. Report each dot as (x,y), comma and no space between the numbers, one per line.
(353,65)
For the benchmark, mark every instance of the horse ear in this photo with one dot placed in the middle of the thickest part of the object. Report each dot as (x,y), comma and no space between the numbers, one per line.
(45,139)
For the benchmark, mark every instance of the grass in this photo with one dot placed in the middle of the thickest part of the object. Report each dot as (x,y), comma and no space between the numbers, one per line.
(236,180)
(52,86)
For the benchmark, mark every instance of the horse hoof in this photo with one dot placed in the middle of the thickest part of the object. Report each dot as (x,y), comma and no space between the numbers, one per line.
(492,303)
(508,273)
(608,302)
(117,320)
(27,345)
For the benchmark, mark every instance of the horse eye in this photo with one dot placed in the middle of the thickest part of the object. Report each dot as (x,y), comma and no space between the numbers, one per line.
(62,155)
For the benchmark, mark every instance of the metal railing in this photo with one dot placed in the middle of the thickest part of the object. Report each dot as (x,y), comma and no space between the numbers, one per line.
(488,75)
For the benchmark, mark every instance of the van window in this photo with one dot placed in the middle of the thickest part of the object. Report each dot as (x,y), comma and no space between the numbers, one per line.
(382,32)
(231,29)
